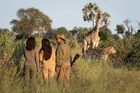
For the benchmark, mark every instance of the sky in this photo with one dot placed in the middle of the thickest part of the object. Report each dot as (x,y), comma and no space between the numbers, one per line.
(68,13)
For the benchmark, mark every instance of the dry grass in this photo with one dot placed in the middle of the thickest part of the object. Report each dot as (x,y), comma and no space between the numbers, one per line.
(87,76)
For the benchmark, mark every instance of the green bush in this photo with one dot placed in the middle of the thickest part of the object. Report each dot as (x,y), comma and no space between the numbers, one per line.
(7,46)
(87,76)
(133,57)
(64,31)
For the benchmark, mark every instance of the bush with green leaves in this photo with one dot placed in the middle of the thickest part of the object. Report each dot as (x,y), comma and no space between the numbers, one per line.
(7,46)
(64,31)
(105,33)
(133,57)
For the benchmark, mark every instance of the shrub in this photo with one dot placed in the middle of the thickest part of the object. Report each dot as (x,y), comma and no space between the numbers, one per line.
(7,46)
(133,57)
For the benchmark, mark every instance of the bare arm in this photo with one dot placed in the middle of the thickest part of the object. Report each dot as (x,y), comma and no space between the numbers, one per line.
(37,58)
(53,54)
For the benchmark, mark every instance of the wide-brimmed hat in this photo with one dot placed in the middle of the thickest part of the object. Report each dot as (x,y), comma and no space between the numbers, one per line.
(61,36)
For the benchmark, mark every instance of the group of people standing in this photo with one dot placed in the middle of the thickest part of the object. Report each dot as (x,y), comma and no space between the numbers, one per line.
(48,60)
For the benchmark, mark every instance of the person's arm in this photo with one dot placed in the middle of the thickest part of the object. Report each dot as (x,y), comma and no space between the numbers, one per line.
(41,56)
(53,56)
(37,58)
(60,55)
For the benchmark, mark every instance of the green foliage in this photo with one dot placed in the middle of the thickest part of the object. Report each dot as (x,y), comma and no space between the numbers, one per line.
(38,42)
(116,37)
(133,57)
(72,43)
(105,33)
(64,31)
(120,28)
(50,34)
(91,11)
(105,19)
(88,11)
(81,32)
(31,20)
(7,47)
(18,58)
(21,36)
(87,76)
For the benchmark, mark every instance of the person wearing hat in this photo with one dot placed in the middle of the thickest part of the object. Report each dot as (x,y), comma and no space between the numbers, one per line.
(62,60)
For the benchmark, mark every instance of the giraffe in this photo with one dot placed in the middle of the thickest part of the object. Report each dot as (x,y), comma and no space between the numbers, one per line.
(92,38)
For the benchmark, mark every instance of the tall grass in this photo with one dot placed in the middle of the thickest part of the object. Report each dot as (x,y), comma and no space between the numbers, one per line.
(87,76)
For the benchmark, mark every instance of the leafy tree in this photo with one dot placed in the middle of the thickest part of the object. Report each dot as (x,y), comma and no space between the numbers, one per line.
(105,19)
(51,34)
(116,37)
(64,31)
(89,12)
(7,32)
(133,57)
(105,33)
(120,28)
(81,32)
(31,20)
(6,46)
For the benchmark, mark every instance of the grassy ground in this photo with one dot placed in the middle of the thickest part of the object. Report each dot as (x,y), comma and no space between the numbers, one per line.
(87,76)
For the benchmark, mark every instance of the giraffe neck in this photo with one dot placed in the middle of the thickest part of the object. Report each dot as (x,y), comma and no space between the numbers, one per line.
(97,26)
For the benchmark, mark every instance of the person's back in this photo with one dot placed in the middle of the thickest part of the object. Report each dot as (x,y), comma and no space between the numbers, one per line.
(50,61)
(31,57)
(47,59)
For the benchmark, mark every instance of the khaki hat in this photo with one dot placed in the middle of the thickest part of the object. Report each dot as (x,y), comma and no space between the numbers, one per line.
(61,36)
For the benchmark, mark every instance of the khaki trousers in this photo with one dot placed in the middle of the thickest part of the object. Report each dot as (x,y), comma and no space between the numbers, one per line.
(63,72)
(48,72)
(30,72)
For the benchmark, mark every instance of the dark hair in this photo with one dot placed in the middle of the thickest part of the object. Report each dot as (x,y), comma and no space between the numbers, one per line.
(30,43)
(46,48)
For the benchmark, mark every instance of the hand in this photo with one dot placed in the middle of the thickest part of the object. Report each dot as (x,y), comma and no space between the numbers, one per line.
(57,69)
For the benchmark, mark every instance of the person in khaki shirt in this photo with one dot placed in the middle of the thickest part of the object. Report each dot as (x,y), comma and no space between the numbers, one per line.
(62,60)
(31,59)
(47,59)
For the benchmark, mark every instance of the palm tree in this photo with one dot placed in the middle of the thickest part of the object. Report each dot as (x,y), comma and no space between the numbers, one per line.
(105,19)
(89,12)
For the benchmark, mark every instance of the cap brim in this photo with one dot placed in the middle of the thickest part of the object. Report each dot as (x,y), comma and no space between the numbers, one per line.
(61,38)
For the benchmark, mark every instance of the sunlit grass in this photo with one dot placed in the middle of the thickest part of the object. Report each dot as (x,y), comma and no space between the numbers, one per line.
(87,76)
